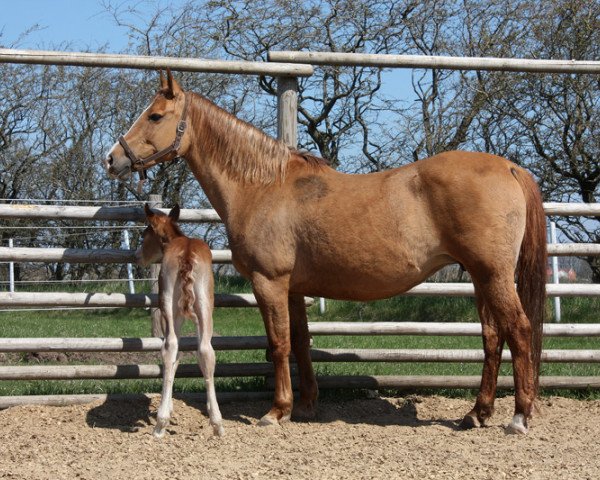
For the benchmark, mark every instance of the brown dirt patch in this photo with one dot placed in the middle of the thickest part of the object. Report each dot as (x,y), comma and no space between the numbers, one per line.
(382,438)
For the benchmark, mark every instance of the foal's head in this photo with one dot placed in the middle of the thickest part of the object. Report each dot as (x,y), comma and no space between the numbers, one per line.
(161,230)
(158,135)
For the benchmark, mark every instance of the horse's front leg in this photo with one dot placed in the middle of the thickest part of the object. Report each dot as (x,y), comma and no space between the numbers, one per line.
(309,391)
(272,298)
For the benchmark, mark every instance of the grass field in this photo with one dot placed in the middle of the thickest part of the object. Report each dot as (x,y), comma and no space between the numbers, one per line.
(232,322)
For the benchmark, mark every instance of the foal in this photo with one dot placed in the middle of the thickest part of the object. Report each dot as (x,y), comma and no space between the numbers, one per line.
(185,289)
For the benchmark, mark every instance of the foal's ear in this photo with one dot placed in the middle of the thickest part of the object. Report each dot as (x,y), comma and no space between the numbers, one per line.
(174,213)
(148,210)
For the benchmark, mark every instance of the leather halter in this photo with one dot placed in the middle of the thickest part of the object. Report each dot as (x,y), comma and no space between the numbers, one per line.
(141,164)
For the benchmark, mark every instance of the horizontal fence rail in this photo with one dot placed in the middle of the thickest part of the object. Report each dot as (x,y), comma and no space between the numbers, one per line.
(108,255)
(54,299)
(436,62)
(126,214)
(131,300)
(136,214)
(110,60)
(81,255)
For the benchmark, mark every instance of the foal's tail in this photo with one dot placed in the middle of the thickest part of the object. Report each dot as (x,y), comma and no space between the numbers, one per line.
(531,267)
(187,297)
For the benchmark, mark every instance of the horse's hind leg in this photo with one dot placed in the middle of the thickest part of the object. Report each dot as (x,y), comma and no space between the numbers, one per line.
(170,353)
(305,408)
(492,347)
(206,357)
(504,306)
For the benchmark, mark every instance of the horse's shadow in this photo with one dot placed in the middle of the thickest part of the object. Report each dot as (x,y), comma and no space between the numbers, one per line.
(373,411)
(119,412)
(132,413)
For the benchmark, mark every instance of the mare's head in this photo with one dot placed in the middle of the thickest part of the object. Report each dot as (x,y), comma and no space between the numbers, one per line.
(160,230)
(158,135)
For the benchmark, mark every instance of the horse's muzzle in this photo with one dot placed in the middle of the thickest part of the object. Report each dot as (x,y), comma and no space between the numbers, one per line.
(112,171)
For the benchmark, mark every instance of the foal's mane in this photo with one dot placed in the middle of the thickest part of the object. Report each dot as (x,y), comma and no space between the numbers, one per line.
(247,153)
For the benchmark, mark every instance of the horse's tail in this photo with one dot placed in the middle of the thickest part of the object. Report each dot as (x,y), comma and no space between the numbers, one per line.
(531,267)
(187,297)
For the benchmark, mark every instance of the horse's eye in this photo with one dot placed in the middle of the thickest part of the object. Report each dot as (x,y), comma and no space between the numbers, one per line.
(155,117)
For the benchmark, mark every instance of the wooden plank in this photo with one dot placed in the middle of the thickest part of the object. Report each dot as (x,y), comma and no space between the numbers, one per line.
(437,62)
(54,212)
(443,355)
(80,399)
(432,381)
(439,328)
(81,255)
(149,344)
(110,60)
(131,300)
(125,214)
(112,372)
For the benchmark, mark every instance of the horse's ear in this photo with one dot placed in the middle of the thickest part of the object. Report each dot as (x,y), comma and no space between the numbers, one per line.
(163,80)
(172,86)
(174,213)
(148,210)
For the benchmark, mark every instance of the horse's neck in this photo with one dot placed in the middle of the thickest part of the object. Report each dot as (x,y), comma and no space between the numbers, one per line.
(223,193)
(225,172)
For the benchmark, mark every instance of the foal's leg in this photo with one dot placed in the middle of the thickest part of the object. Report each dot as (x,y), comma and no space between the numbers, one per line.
(203,307)
(504,305)
(492,347)
(170,354)
(309,391)
(272,298)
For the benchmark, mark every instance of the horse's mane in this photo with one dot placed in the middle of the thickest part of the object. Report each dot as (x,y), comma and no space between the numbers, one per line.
(247,153)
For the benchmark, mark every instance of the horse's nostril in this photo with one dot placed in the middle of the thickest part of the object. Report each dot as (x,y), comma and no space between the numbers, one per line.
(109,160)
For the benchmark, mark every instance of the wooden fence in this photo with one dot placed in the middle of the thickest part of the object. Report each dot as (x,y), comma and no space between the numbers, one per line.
(105,372)
(287,131)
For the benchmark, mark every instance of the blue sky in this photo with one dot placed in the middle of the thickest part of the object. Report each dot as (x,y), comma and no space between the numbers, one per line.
(85,25)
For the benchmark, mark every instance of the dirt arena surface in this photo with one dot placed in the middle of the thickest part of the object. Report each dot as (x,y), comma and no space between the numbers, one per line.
(381,438)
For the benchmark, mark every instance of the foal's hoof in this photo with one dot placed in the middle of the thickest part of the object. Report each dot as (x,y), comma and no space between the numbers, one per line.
(218,430)
(518,426)
(159,429)
(469,422)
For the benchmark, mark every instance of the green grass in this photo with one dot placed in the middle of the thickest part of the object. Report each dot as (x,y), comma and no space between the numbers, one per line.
(247,321)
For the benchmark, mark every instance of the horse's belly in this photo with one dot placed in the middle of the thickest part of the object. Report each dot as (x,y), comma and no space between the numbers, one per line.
(365,282)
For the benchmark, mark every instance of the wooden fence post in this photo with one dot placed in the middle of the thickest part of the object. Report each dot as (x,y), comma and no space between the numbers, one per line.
(287,110)
(155,201)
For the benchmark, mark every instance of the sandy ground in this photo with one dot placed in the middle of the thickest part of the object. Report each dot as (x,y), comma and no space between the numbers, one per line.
(380,438)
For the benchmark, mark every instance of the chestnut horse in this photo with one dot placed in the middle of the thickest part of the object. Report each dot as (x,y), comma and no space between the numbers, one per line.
(298,227)
(185,290)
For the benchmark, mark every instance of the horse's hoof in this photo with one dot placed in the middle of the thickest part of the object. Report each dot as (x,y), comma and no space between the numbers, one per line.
(304,412)
(218,430)
(469,422)
(518,426)
(158,432)
(269,419)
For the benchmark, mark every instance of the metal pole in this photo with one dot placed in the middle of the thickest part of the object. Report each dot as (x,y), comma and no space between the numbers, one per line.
(555,278)
(11,270)
(126,245)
